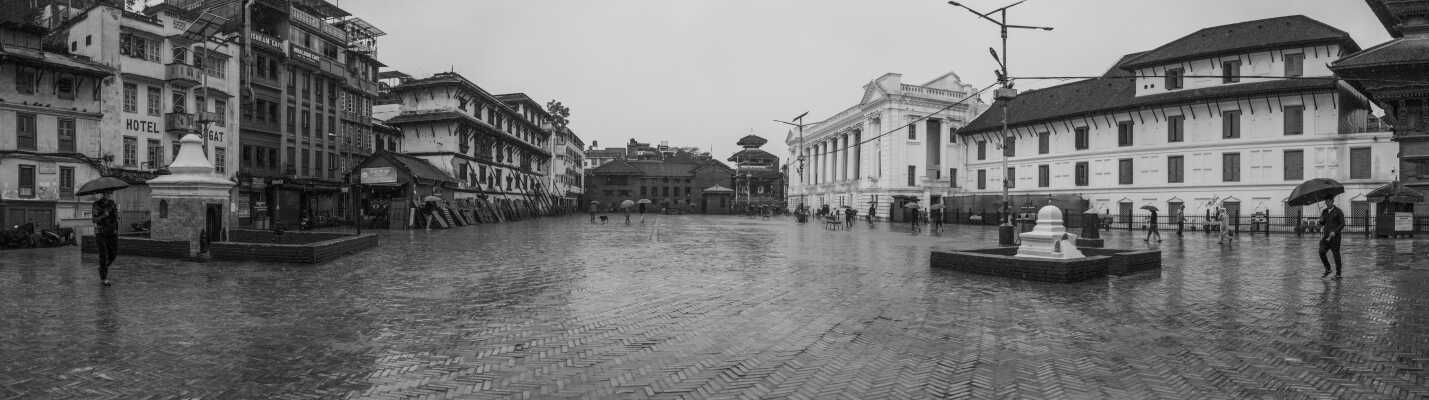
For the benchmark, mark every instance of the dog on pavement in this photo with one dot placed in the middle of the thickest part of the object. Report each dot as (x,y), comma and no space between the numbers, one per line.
(603,219)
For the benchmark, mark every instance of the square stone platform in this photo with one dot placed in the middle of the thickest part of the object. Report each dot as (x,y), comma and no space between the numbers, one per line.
(1000,261)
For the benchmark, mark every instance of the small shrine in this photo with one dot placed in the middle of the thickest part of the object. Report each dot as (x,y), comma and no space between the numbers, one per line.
(191,202)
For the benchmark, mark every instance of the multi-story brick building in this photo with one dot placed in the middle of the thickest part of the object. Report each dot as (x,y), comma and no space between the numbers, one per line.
(50,124)
(1239,113)
(309,83)
(496,148)
(178,76)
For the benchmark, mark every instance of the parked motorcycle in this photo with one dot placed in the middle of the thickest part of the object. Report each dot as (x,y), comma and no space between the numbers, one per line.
(19,236)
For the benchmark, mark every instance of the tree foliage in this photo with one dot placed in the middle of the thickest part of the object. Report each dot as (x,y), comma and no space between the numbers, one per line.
(560,113)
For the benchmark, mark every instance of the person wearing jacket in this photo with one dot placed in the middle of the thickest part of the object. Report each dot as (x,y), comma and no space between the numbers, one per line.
(1333,221)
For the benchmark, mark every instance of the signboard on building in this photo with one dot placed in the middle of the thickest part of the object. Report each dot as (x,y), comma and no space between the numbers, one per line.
(378,175)
(1404,222)
(242,207)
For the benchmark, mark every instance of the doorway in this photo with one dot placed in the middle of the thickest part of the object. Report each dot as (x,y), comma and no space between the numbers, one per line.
(212,226)
(1233,212)
(1124,213)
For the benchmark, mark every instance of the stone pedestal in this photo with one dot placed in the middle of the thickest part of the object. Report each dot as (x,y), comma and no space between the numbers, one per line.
(179,202)
(1050,238)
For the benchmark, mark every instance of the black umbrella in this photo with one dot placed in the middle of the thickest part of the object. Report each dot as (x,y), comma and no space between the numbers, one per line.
(1313,191)
(101,185)
(1150,208)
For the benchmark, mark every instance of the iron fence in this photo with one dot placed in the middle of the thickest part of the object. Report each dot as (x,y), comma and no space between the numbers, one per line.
(1246,224)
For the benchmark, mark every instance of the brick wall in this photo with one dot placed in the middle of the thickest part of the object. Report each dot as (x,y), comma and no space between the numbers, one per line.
(261,236)
(307,253)
(139,245)
(1000,262)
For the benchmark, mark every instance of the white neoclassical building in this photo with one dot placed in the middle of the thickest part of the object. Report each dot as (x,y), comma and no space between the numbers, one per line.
(896,144)
(1240,113)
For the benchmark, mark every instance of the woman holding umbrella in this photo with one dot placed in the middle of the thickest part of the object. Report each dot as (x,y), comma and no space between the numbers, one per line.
(641,205)
(106,221)
(1332,219)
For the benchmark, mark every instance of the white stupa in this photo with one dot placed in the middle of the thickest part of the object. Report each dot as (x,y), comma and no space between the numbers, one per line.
(190,200)
(1049,239)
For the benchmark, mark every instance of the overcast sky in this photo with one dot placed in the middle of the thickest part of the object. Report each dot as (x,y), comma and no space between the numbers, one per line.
(706,72)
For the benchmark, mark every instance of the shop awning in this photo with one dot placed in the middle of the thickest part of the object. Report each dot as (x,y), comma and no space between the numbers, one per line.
(1395,192)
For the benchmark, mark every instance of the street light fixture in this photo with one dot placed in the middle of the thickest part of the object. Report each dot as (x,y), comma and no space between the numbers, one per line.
(1005,94)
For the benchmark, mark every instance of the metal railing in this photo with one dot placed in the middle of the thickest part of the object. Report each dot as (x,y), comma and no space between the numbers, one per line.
(1243,224)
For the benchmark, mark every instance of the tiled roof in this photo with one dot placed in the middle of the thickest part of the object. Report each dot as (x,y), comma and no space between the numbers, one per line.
(420,168)
(1399,51)
(1244,37)
(617,167)
(752,140)
(1114,92)
(661,168)
(752,154)
(72,64)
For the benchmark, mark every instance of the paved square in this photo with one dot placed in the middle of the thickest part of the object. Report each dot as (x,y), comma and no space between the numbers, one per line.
(716,307)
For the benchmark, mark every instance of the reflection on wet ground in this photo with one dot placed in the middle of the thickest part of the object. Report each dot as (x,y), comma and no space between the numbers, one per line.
(712,306)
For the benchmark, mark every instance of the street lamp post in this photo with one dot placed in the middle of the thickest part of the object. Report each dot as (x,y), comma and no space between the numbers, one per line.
(1005,94)
(803,181)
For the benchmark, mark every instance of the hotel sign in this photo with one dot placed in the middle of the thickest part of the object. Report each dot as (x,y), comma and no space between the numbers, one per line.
(378,175)
(141,126)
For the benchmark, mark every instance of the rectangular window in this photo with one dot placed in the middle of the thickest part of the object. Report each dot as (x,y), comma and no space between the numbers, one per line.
(1173,78)
(1294,165)
(305,162)
(1176,169)
(25,80)
(220,109)
(180,101)
(1175,128)
(66,135)
(220,160)
(131,151)
(1125,171)
(1230,167)
(953,177)
(131,98)
(1230,124)
(27,181)
(1083,174)
(154,99)
(982,179)
(1294,120)
(331,165)
(67,183)
(1124,133)
(26,132)
(912,132)
(272,158)
(1044,143)
(1295,64)
(1359,163)
(1230,71)
(247,160)
(981,150)
(1083,138)
(156,153)
(64,87)
(1009,146)
(1010,179)
(292,119)
(912,174)
(1044,175)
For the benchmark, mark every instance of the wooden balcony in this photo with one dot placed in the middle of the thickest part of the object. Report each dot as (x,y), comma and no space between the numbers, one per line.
(180,123)
(181,74)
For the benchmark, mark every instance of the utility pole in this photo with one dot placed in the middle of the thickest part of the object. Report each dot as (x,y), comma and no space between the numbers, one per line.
(1004,95)
(803,181)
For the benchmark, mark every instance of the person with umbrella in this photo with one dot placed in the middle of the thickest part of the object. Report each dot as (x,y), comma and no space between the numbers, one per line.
(626,205)
(1151,228)
(1180,220)
(935,214)
(641,205)
(1224,218)
(912,207)
(105,215)
(430,208)
(1332,219)
(849,215)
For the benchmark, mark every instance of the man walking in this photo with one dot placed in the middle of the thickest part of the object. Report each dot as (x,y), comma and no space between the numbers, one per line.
(1151,228)
(1180,220)
(935,216)
(849,215)
(1224,218)
(593,207)
(871,210)
(106,233)
(1333,221)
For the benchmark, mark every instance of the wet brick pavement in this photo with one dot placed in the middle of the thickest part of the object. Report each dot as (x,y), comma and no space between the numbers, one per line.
(715,307)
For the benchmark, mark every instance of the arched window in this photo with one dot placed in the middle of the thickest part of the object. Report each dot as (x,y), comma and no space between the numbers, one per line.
(163,208)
